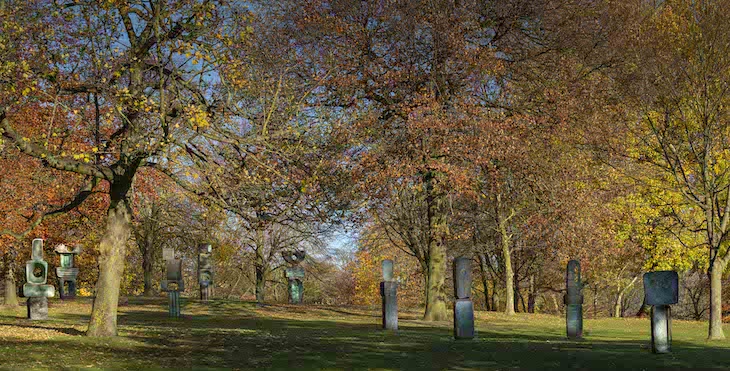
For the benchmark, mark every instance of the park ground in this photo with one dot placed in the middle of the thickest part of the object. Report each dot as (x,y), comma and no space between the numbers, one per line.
(239,335)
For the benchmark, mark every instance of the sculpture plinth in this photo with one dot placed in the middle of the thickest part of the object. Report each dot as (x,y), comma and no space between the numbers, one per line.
(389,295)
(67,273)
(463,306)
(36,289)
(661,289)
(205,270)
(573,301)
(173,282)
(295,275)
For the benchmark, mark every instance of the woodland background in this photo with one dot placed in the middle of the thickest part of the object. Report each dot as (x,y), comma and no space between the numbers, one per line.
(520,133)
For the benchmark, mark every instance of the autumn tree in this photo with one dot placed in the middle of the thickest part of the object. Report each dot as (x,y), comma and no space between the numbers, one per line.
(132,79)
(677,79)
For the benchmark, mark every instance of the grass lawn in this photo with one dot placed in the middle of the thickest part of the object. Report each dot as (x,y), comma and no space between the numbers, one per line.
(239,335)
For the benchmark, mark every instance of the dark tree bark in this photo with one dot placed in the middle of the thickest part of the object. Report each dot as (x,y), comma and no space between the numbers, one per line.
(147,267)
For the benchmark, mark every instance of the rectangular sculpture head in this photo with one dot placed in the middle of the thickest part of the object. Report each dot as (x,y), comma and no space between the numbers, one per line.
(572,276)
(387,270)
(462,277)
(661,288)
(168,253)
(37,249)
(173,276)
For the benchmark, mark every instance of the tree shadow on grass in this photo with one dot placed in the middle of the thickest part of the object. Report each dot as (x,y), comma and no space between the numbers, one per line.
(256,342)
(49,326)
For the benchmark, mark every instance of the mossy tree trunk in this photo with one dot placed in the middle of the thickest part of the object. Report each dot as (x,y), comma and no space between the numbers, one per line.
(436,262)
(505,240)
(112,250)
(11,291)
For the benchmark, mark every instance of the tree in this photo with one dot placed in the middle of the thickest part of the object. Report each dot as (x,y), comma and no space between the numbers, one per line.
(133,80)
(678,78)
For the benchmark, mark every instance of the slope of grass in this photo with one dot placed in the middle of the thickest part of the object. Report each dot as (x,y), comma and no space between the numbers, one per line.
(239,335)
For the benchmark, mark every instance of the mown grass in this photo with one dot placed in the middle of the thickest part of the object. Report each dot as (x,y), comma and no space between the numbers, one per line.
(238,335)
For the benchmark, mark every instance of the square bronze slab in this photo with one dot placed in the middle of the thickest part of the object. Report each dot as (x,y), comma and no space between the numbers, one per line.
(661,288)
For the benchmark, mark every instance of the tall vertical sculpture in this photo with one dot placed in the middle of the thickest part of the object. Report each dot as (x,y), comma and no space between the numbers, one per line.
(389,295)
(173,282)
(36,289)
(205,270)
(573,301)
(661,289)
(67,273)
(295,275)
(463,306)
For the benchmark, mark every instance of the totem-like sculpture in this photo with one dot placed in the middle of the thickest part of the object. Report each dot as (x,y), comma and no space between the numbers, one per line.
(661,289)
(463,306)
(66,272)
(173,282)
(205,270)
(36,289)
(295,275)
(573,301)
(388,292)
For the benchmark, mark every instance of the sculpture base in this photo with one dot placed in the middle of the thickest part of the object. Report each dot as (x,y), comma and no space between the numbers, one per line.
(661,329)
(37,308)
(388,293)
(205,294)
(574,321)
(63,292)
(463,319)
(296,291)
(174,303)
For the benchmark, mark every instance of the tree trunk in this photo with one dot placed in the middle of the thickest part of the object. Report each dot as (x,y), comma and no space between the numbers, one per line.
(11,292)
(508,273)
(485,280)
(556,303)
(715,331)
(643,309)
(147,267)
(112,250)
(495,298)
(595,301)
(436,264)
(435,295)
(617,304)
(531,296)
(260,283)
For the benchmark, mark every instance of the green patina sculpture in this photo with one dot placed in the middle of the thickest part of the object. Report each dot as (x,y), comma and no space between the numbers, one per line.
(573,301)
(36,289)
(295,275)
(66,272)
